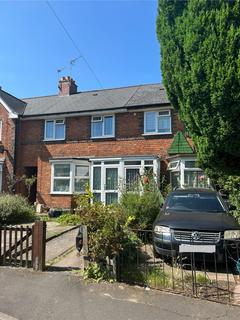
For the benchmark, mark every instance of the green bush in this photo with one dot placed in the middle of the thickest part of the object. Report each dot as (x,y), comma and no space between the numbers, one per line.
(69,219)
(231,184)
(108,232)
(142,205)
(15,209)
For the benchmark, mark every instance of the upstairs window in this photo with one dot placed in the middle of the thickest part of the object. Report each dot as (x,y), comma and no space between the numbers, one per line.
(54,130)
(157,122)
(102,126)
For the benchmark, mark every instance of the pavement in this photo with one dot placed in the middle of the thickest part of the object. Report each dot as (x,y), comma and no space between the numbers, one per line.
(28,295)
(60,245)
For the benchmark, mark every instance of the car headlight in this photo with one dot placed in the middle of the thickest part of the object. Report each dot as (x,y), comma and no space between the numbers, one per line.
(162,229)
(231,234)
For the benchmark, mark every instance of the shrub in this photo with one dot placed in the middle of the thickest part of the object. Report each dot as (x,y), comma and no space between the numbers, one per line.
(142,204)
(108,232)
(69,219)
(14,209)
(231,184)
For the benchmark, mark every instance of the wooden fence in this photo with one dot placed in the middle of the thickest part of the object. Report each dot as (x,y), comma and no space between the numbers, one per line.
(23,246)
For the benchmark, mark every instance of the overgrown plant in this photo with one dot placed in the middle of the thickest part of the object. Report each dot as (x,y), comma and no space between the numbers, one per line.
(142,203)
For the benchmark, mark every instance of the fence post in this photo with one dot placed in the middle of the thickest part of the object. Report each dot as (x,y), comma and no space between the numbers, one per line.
(39,245)
(85,247)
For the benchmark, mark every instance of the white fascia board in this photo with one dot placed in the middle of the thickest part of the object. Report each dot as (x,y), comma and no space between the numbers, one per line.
(12,115)
(77,114)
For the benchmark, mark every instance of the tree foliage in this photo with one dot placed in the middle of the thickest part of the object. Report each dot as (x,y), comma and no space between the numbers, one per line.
(200,52)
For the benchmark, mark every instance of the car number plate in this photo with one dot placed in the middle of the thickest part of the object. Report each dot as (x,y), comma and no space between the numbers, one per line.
(197,248)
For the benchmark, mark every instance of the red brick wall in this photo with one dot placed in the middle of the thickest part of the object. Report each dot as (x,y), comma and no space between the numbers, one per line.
(8,142)
(128,142)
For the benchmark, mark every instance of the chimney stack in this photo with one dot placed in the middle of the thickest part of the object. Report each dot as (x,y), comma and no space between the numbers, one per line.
(67,86)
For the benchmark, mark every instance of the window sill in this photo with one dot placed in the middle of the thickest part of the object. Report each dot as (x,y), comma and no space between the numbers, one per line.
(156,133)
(53,140)
(103,137)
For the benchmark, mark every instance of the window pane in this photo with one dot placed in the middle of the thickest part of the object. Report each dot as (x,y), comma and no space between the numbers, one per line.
(132,178)
(97,129)
(148,162)
(132,163)
(61,185)
(59,131)
(190,164)
(62,170)
(49,129)
(80,185)
(111,178)
(111,198)
(190,178)
(111,162)
(195,179)
(164,124)
(150,121)
(81,171)
(108,126)
(97,178)
(175,180)
(96,197)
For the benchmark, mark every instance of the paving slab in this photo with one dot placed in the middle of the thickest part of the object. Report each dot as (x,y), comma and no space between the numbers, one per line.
(61,244)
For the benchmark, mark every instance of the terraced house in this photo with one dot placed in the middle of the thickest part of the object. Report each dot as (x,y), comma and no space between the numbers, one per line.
(107,138)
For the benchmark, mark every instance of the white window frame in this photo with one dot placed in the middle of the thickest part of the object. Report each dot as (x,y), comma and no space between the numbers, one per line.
(72,176)
(121,171)
(54,130)
(181,169)
(102,120)
(156,132)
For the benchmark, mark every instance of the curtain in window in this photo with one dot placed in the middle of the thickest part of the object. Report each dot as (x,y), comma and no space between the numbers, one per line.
(49,129)
(108,126)
(96,178)
(59,131)
(61,185)
(150,118)
(97,129)
(111,178)
(111,198)
(62,170)
(164,124)
(132,178)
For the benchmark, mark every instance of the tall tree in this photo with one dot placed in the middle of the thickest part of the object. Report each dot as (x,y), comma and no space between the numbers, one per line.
(200,61)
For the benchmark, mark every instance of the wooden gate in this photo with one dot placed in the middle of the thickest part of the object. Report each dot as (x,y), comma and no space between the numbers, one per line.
(23,246)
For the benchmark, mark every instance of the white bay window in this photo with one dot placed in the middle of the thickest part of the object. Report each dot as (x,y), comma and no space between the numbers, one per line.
(184,173)
(69,176)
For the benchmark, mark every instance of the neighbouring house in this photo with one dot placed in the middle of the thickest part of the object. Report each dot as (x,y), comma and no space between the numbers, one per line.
(107,138)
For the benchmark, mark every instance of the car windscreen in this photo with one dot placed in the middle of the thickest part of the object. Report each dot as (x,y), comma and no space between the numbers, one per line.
(194,202)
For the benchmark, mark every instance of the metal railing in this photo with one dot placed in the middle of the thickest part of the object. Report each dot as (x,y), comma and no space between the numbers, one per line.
(197,269)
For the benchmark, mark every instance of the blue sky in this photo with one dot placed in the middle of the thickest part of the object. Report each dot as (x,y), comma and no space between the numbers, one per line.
(118,39)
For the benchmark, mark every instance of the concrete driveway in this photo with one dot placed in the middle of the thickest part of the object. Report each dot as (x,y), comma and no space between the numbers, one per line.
(28,295)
